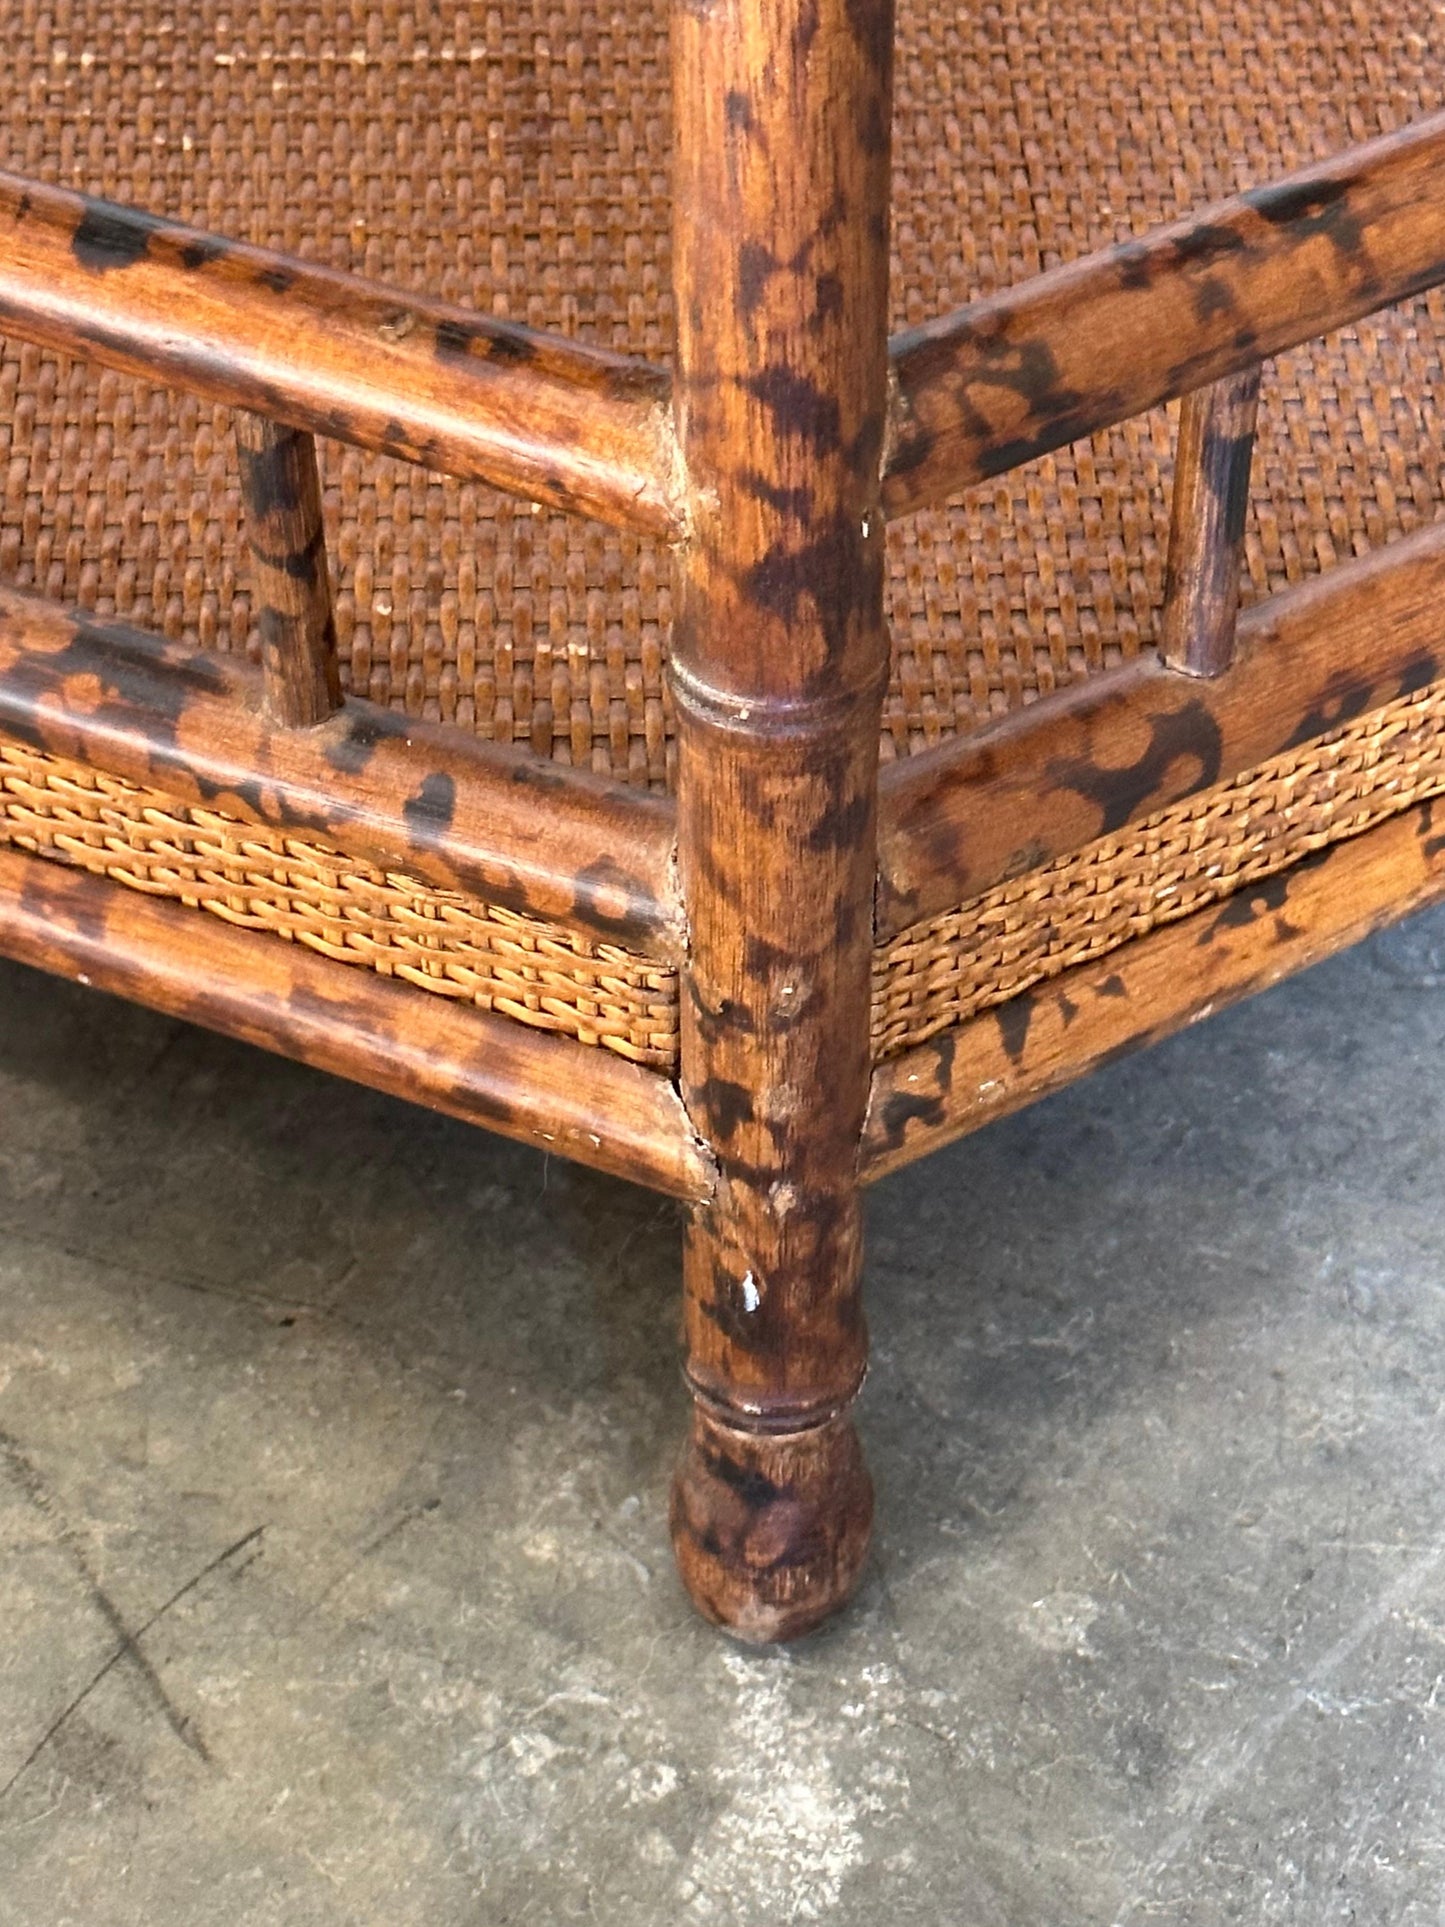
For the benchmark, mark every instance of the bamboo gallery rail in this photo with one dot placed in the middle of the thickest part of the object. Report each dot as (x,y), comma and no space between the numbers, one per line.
(407,794)
(769,459)
(535,415)
(984,389)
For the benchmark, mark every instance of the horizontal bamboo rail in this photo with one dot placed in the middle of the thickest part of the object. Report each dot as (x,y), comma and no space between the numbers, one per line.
(559,844)
(581,1103)
(1028,370)
(1006,1058)
(458,392)
(1114,748)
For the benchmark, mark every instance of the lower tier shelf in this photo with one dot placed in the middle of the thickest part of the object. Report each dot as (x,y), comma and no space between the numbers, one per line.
(549,1036)
(601,1110)
(930,979)
(1179,974)
(591,1105)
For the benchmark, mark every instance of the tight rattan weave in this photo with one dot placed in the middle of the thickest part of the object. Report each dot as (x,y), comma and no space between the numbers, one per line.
(517,158)
(348,911)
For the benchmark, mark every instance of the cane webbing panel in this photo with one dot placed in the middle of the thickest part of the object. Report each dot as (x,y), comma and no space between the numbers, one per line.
(351,912)
(516,157)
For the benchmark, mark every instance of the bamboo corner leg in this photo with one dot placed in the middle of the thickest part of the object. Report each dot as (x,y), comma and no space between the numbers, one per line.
(780,660)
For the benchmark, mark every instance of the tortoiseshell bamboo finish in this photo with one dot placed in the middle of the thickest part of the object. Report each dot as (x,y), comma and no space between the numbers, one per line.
(1024,372)
(281,488)
(780,658)
(785,865)
(431,383)
(1206,535)
(482,1069)
(469,816)
(1114,749)
(1179,974)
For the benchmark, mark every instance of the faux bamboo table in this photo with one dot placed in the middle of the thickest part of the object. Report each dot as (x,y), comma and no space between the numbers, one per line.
(852,737)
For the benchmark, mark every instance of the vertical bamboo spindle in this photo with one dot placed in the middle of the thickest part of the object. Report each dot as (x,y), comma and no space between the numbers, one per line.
(281,490)
(780,660)
(1206,534)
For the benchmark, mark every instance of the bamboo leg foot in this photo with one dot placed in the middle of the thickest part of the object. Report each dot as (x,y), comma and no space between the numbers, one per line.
(770,1530)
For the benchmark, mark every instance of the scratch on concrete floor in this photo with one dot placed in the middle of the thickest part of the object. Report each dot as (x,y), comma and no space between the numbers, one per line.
(1226,1763)
(372,1546)
(33,1487)
(18,1239)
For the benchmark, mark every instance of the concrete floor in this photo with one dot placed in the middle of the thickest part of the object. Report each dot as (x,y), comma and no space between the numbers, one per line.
(333,1448)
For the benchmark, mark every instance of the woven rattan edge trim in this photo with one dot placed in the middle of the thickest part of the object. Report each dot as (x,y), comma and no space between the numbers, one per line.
(583,1104)
(1029,931)
(352,912)
(1004,1059)
(567,846)
(992,952)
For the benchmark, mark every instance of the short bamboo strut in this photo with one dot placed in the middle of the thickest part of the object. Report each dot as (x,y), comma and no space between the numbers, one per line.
(1206,535)
(459,392)
(281,488)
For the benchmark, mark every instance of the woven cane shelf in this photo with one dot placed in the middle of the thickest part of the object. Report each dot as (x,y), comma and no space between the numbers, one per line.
(731,590)
(517,159)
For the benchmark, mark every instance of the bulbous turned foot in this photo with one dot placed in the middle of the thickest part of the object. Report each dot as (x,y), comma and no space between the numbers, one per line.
(770,1530)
